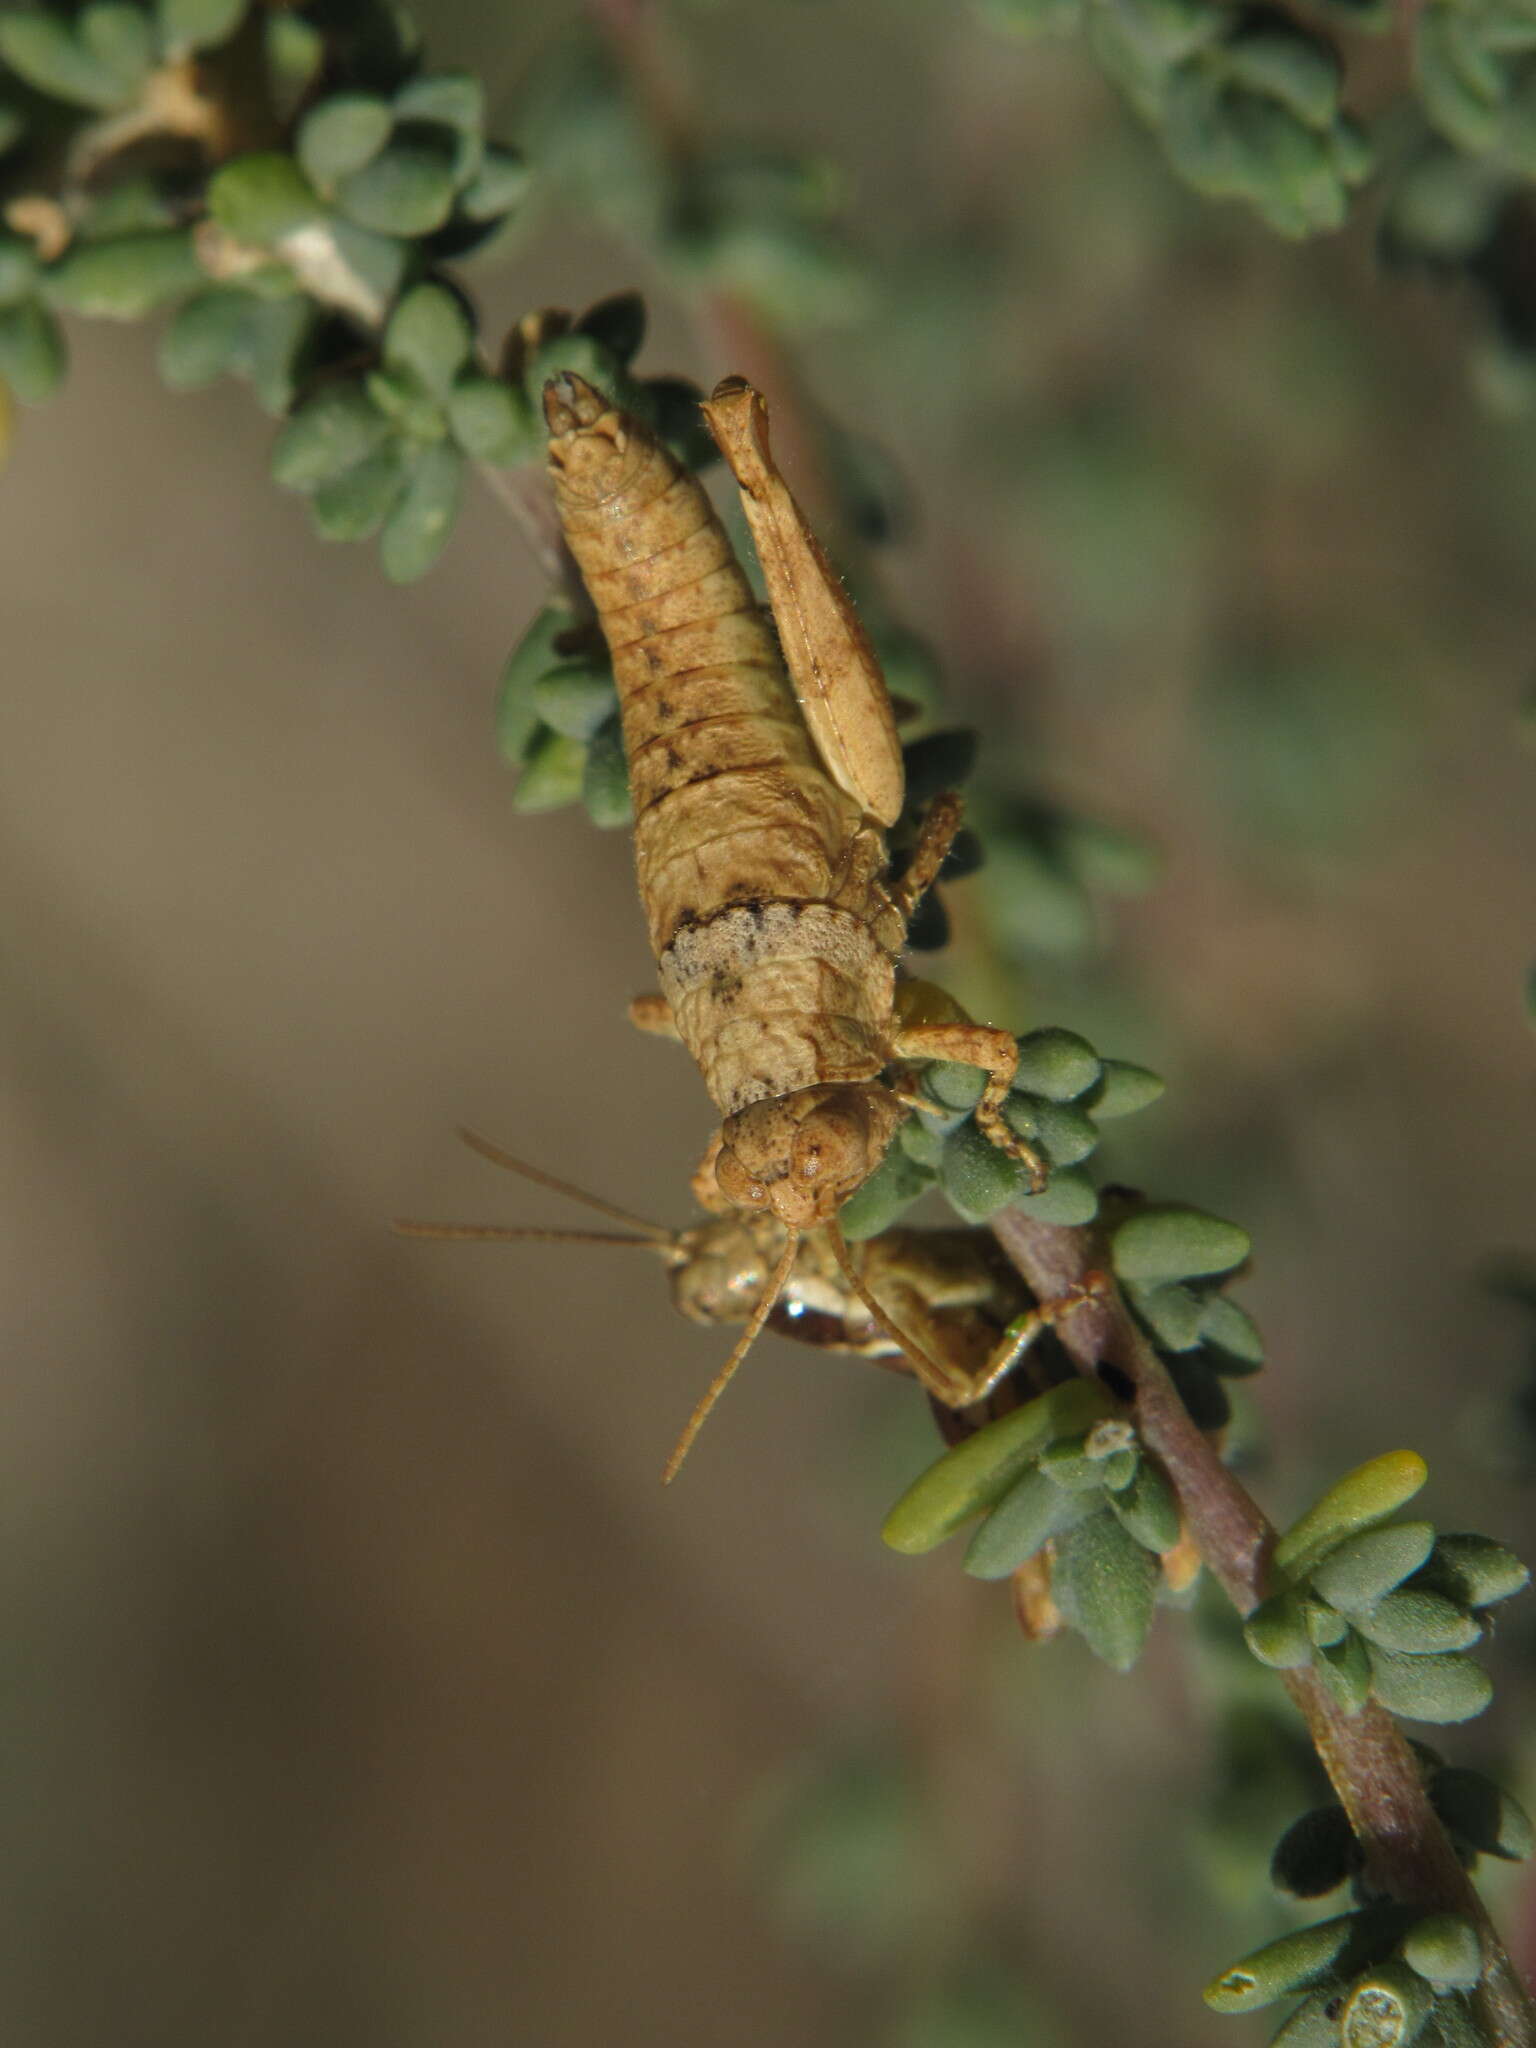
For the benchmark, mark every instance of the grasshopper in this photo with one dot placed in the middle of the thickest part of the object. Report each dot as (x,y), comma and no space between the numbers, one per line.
(973,1312)
(765,771)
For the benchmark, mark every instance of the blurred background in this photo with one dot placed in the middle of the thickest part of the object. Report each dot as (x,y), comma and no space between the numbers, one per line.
(361,1685)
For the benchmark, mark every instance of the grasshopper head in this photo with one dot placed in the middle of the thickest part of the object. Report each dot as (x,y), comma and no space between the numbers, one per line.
(722,1266)
(801,1156)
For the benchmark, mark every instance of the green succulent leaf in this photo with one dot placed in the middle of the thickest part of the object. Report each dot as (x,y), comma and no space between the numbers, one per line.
(1325,1624)
(1330,1949)
(407,402)
(1388,2008)
(205,338)
(430,335)
(539,650)
(1148,1508)
(454,99)
(1316,1854)
(125,276)
(33,353)
(408,188)
(554,767)
(1122,1090)
(1028,1515)
(1232,1332)
(1368,1495)
(1313,2024)
(1283,63)
(328,435)
(1346,1671)
(1360,1570)
(1482,1814)
(1445,1951)
(1067,1465)
(1071,1198)
(576,696)
(892,1188)
(1106,1585)
(1430,1688)
(1277,1632)
(1058,1065)
(976,1474)
(954,1084)
(197,24)
(43,49)
(341,136)
(922,1141)
(1175,1314)
(118,36)
(1164,1243)
(1418,1623)
(498,187)
(19,270)
(977,1178)
(1063,1131)
(491,421)
(354,505)
(1474,1571)
(418,526)
(605,779)
(261,198)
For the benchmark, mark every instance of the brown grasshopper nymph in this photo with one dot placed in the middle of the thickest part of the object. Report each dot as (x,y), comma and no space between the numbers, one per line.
(952,1287)
(765,770)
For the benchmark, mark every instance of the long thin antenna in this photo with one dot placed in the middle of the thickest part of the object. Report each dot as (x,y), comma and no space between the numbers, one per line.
(724,1376)
(512,1233)
(560,1187)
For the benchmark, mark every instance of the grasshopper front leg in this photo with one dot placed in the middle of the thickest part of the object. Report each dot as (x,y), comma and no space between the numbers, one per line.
(950,1035)
(654,1014)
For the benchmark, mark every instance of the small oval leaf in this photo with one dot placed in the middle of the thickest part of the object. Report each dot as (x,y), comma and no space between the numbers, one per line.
(1360,1499)
(977,1473)
(1165,1242)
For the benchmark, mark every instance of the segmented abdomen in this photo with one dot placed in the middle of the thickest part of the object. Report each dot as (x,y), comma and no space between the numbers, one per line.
(731,802)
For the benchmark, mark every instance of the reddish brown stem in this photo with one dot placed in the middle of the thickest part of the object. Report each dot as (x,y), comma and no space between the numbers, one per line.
(1366,1756)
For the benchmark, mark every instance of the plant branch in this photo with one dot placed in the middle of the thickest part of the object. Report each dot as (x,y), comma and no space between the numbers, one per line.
(1367,1757)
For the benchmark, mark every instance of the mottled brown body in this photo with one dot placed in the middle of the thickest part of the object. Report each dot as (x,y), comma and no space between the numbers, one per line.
(764,772)
(775,939)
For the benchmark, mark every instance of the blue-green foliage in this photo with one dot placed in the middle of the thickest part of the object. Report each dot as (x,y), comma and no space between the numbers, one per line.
(1379,1977)
(1388,1612)
(723,216)
(1089,1489)
(311,266)
(1247,103)
(1381,1972)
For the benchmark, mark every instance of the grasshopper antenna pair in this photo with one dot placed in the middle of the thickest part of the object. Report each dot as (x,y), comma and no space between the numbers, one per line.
(677,1248)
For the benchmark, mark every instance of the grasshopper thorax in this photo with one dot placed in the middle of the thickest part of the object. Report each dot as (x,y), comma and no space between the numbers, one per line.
(800,1156)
